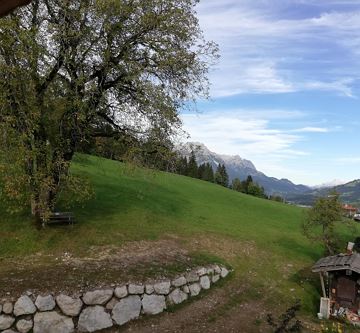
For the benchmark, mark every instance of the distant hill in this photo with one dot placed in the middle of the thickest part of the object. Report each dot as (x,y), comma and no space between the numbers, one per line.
(331,184)
(238,167)
(349,193)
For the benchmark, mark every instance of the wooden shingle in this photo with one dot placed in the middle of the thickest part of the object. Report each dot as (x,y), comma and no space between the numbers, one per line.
(338,262)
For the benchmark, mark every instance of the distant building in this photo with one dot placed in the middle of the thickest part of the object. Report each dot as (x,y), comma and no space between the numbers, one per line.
(349,211)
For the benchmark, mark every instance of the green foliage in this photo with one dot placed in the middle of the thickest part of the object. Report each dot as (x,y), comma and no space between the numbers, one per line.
(331,327)
(221,176)
(72,72)
(236,185)
(189,167)
(201,171)
(208,174)
(277,198)
(321,220)
(256,190)
(192,168)
(76,191)
(249,187)
(246,183)
(357,245)
(182,165)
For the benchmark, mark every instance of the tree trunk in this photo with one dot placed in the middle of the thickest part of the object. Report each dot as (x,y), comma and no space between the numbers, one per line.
(36,211)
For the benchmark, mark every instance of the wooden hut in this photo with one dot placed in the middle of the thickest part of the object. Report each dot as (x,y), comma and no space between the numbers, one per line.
(340,283)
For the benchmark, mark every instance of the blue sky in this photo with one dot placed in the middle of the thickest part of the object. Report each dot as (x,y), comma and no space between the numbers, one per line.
(285,93)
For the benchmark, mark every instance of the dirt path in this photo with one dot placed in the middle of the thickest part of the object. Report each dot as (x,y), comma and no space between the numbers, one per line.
(211,313)
(221,309)
(102,266)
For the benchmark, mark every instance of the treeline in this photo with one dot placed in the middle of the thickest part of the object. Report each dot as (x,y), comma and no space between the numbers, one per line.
(248,186)
(158,153)
(189,167)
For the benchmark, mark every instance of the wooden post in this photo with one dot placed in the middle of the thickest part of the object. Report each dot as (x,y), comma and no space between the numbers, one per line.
(322,285)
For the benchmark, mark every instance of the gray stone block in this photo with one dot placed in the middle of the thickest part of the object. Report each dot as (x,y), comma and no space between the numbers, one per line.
(205,282)
(45,303)
(94,318)
(23,306)
(98,297)
(162,288)
(6,321)
(52,322)
(127,309)
(68,305)
(194,289)
(177,296)
(153,304)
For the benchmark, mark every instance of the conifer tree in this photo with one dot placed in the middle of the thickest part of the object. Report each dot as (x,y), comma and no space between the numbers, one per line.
(221,176)
(246,183)
(201,171)
(225,176)
(192,169)
(217,176)
(182,166)
(209,173)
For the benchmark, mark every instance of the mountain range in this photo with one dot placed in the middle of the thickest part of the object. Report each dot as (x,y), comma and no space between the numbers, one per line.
(349,193)
(238,167)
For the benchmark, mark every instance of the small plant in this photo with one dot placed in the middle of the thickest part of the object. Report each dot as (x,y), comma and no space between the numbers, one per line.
(356,247)
(287,322)
(332,328)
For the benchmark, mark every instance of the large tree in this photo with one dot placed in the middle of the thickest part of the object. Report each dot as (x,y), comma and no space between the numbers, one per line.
(75,70)
(321,222)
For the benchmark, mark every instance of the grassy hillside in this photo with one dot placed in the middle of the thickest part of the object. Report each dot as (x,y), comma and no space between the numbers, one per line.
(136,204)
(260,239)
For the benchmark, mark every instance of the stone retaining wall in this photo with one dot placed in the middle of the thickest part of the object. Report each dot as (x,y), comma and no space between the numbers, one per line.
(99,309)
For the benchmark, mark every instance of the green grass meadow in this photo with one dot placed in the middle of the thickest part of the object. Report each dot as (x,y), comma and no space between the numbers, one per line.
(133,204)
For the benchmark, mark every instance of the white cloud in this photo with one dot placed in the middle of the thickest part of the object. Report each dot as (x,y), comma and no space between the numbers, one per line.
(250,78)
(266,137)
(342,86)
(348,160)
(311,130)
(264,53)
(345,21)
(231,133)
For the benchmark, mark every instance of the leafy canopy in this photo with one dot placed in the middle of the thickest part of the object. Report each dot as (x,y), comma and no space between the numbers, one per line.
(321,220)
(74,70)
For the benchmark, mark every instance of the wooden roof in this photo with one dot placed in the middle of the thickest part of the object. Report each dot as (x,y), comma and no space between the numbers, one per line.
(338,262)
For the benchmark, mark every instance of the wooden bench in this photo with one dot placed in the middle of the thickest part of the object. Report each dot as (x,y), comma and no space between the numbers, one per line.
(59,218)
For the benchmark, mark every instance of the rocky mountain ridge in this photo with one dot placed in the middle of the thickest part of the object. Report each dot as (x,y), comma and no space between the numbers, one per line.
(349,193)
(238,167)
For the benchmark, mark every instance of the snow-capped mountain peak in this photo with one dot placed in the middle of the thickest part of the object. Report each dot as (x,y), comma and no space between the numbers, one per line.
(204,155)
(333,183)
(238,167)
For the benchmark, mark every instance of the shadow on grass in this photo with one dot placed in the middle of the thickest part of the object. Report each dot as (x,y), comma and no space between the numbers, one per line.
(310,283)
(112,199)
(295,249)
